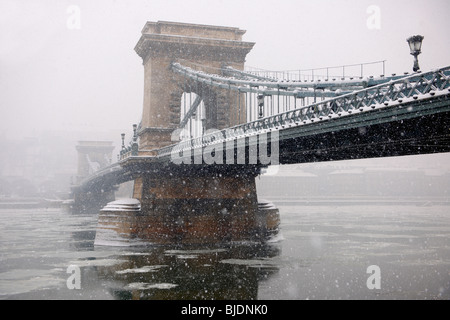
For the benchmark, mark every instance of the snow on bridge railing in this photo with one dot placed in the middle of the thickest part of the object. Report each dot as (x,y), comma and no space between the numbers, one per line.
(402,90)
(358,70)
(97,175)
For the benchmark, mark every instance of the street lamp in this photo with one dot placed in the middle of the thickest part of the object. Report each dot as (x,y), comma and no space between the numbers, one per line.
(134,132)
(415,44)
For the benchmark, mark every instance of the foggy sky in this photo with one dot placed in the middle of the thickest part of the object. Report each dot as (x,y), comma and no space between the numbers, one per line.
(55,78)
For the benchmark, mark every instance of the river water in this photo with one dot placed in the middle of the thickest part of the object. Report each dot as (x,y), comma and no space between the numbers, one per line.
(324,250)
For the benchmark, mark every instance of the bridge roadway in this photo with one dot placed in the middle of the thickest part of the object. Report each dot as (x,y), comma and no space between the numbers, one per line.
(407,116)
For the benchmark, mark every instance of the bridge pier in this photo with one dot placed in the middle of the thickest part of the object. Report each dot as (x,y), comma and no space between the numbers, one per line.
(191,205)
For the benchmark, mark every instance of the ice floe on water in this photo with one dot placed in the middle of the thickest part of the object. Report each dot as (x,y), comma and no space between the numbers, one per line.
(199,251)
(143,269)
(26,280)
(97,262)
(254,263)
(147,286)
(192,254)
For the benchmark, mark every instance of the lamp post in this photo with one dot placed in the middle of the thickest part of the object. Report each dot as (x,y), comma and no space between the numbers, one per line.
(134,132)
(415,45)
(134,144)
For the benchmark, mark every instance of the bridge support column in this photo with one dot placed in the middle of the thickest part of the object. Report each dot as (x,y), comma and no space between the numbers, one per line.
(195,206)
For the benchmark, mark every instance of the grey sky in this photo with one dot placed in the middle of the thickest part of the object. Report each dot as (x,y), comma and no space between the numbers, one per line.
(56,78)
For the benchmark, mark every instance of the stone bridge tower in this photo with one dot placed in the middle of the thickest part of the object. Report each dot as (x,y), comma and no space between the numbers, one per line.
(202,47)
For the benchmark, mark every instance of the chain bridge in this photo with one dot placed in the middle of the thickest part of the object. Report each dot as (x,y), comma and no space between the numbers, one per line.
(209,126)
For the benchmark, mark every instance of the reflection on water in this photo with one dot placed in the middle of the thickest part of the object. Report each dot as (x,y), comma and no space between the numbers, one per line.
(162,273)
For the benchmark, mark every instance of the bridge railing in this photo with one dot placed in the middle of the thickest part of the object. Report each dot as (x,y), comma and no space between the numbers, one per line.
(400,90)
(111,169)
(410,87)
(348,71)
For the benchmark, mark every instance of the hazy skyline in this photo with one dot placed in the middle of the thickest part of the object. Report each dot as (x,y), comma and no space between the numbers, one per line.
(57,75)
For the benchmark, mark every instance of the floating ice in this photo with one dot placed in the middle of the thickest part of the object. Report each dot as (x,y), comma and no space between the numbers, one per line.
(191,252)
(146,286)
(144,269)
(254,263)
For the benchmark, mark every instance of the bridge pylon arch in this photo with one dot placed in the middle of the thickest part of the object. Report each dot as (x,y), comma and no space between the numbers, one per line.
(202,47)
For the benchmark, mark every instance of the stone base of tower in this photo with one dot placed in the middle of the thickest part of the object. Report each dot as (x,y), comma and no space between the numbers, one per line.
(189,208)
